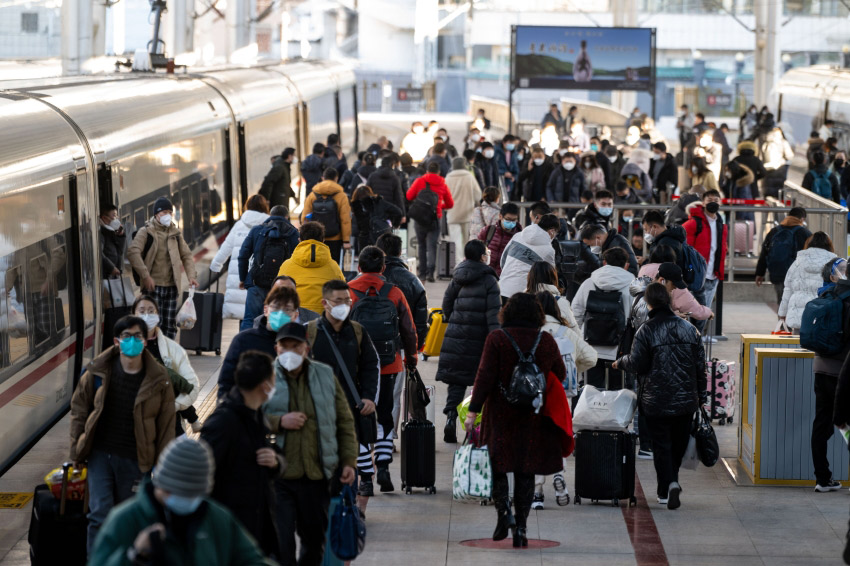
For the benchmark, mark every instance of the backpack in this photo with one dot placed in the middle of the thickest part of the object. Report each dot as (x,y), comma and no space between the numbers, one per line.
(782,252)
(628,338)
(273,252)
(693,268)
(525,390)
(821,185)
(326,212)
(605,321)
(379,316)
(148,243)
(423,209)
(823,324)
(377,227)
(568,354)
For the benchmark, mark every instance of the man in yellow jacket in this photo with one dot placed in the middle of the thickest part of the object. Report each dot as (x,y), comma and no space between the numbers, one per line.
(311,265)
(328,205)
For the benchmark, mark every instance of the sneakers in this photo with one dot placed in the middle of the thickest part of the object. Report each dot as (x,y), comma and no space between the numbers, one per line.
(662,500)
(709,340)
(384,479)
(197,426)
(537,502)
(366,488)
(673,496)
(562,496)
(831,485)
(644,454)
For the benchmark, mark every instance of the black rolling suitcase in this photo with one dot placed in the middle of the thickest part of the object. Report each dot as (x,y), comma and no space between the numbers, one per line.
(445,259)
(58,527)
(205,336)
(418,452)
(605,466)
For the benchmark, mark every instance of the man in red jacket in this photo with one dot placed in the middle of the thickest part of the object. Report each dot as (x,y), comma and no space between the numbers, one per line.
(709,236)
(496,236)
(429,234)
(369,283)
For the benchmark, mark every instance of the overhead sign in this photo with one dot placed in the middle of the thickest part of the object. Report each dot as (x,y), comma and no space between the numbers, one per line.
(574,58)
(410,94)
(719,99)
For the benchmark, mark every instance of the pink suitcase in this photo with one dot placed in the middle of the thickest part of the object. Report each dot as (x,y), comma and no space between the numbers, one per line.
(744,234)
(720,375)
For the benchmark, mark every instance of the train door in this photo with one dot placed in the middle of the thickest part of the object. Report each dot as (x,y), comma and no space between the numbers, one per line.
(86,268)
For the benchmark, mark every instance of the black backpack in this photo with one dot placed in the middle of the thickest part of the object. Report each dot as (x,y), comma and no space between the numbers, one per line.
(782,252)
(525,391)
(326,212)
(423,209)
(605,321)
(273,252)
(378,226)
(379,316)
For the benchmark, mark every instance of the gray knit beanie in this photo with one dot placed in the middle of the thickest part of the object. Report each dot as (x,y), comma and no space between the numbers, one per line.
(458,163)
(185,468)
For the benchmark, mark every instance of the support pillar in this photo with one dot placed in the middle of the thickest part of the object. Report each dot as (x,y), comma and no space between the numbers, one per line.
(625,16)
(77,35)
(767,52)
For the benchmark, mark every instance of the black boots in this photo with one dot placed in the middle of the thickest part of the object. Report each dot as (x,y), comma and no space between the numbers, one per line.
(520,538)
(384,479)
(450,430)
(506,520)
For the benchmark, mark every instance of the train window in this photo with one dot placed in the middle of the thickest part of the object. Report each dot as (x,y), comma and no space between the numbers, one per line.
(15,315)
(140,218)
(150,208)
(41,297)
(322,118)
(197,222)
(186,216)
(205,205)
(59,268)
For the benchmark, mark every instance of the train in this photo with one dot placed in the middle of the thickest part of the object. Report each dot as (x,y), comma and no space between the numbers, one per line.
(69,146)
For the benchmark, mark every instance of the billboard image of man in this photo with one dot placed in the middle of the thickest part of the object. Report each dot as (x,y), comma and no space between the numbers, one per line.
(583,70)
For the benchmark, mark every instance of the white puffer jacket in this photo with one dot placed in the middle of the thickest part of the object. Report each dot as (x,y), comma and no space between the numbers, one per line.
(802,283)
(526,247)
(175,358)
(234,297)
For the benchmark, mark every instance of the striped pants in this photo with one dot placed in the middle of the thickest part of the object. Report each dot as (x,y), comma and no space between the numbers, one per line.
(386,424)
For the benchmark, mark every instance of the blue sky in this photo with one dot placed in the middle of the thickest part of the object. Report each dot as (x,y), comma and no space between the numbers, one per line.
(608,48)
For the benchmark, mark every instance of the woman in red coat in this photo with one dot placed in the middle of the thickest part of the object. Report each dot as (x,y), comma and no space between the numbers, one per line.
(520,441)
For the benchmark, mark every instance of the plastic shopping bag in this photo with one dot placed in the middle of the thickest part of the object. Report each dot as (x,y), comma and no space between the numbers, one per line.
(17,322)
(472,476)
(187,316)
(463,409)
(781,329)
(76,490)
(604,410)
(690,460)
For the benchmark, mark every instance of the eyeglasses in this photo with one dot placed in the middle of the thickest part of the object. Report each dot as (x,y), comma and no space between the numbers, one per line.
(343,301)
(137,335)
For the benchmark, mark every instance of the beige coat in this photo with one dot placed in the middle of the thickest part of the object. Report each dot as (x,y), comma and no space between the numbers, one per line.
(465,192)
(153,413)
(178,252)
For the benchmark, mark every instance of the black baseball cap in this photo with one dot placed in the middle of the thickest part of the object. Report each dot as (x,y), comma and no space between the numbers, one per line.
(292,331)
(672,273)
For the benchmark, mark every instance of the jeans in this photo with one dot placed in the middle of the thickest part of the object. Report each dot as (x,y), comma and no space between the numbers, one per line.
(111,480)
(705,296)
(459,234)
(302,507)
(822,428)
(670,436)
(427,238)
(455,395)
(253,306)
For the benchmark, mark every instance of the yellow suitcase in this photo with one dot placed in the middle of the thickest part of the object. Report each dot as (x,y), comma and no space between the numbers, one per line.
(436,333)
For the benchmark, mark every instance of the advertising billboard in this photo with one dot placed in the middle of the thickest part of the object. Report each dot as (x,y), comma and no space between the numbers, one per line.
(579,58)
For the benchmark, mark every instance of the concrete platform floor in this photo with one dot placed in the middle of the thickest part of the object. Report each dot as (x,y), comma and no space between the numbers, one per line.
(718,523)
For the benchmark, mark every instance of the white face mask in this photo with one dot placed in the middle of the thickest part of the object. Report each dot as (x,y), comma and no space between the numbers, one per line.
(648,238)
(539,161)
(290,360)
(563,151)
(340,312)
(569,165)
(612,158)
(596,250)
(489,153)
(165,220)
(694,170)
(475,137)
(151,320)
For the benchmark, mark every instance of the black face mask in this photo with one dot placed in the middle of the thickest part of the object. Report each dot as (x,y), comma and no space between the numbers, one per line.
(712,207)
(839,164)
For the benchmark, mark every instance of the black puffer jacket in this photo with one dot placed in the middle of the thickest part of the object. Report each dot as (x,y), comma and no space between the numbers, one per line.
(471,305)
(673,237)
(385,183)
(615,240)
(667,357)
(397,273)
(113,244)
(369,208)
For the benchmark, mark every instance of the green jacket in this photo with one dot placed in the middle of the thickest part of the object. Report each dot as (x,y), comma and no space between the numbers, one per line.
(328,417)
(219,540)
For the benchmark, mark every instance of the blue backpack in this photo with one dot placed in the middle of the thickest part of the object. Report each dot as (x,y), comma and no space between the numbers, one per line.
(693,268)
(782,252)
(821,185)
(822,329)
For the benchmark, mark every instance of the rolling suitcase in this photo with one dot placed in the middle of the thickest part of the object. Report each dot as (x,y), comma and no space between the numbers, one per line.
(720,377)
(445,259)
(436,333)
(58,527)
(418,452)
(744,233)
(605,466)
(205,336)
(351,272)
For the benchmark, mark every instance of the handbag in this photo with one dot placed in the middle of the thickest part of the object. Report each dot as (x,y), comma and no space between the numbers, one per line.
(472,475)
(117,293)
(366,424)
(418,398)
(604,410)
(348,531)
(706,441)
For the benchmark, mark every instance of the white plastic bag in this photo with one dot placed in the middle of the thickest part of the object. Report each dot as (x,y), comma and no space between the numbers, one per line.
(17,322)
(187,316)
(604,410)
(690,460)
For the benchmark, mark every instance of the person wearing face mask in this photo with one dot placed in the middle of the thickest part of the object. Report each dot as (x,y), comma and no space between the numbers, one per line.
(334,339)
(176,361)
(508,165)
(164,522)
(701,175)
(465,194)
(599,211)
(112,238)
(664,172)
(709,235)
(471,307)
(281,307)
(656,234)
(531,245)
(245,464)
(533,178)
(473,139)
(594,176)
(488,164)
(310,417)
(443,136)
(122,431)
(497,236)
(615,159)
(567,182)
(157,254)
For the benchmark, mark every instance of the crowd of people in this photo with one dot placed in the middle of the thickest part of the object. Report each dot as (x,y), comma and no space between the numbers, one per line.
(309,392)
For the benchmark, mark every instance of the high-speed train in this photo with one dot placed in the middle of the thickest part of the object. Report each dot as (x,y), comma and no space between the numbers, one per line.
(69,146)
